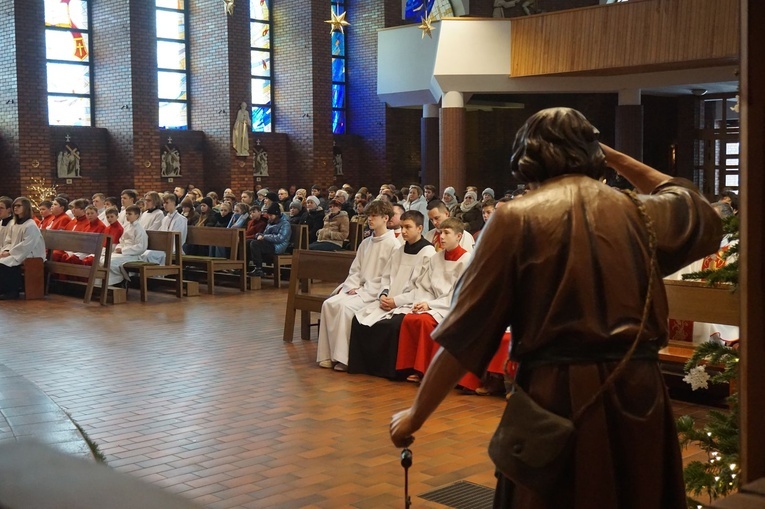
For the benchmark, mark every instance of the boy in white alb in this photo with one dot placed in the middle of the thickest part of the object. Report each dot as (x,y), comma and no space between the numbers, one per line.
(173,221)
(133,243)
(359,289)
(433,293)
(375,329)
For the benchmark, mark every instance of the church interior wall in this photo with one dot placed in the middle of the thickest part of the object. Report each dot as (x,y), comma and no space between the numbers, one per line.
(382,144)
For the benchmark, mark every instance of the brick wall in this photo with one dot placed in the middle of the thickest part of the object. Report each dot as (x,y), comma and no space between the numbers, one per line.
(9,106)
(93,144)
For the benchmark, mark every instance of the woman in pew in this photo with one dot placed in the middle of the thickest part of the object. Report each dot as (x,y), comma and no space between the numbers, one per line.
(23,241)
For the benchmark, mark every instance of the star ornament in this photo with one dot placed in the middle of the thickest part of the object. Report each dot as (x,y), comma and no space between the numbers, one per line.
(337,22)
(698,378)
(426,26)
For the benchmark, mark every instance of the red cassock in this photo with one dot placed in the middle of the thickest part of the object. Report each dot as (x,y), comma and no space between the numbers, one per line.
(60,222)
(75,225)
(115,231)
(46,222)
(416,350)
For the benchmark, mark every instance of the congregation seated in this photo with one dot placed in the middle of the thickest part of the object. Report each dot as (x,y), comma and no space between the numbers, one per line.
(297,213)
(274,239)
(375,327)
(257,224)
(314,217)
(469,211)
(22,240)
(359,289)
(188,211)
(335,231)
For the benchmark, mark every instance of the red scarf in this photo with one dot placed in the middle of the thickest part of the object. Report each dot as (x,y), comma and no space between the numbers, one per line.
(455,254)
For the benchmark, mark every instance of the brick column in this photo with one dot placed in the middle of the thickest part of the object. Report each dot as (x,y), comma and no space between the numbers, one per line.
(452,146)
(24,107)
(429,147)
(125,92)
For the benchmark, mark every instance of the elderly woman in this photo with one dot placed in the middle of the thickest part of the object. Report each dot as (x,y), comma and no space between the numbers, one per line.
(568,267)
(469,212)
(22,241)
(335,231)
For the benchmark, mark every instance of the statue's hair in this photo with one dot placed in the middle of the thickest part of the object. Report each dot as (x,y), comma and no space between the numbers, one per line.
(554,142)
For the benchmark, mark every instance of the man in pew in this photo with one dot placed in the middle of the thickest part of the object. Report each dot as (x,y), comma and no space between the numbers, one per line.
(173,221)
(433,296)
(133,243)
(359,289)
(375,327)
(128,198)
(394,223)
(22,241)
(274,240)
(438,212)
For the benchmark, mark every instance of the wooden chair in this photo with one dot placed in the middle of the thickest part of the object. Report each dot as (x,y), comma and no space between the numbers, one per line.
(231,238)
(355,236)
(79,242)
(299,241)
(170,243)
(329,267)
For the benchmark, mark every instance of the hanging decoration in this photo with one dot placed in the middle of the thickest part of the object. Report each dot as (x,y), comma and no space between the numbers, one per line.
(229,5)
(68,160)
(426,25)
(170,160)
(337,22)
(260,161)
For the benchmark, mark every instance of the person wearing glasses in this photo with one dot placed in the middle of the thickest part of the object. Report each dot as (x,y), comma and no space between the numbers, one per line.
(22,241)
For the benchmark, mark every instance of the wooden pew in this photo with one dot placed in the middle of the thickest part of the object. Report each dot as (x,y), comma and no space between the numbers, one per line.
(355,235)
(232,238)
(329,267)
(299,241)
(170,243)
(79,242)
(697,302)
(33,272)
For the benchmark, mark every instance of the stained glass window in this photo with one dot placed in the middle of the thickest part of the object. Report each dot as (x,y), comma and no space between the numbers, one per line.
(261,56)
(67,53)
(172,66)
(339,81)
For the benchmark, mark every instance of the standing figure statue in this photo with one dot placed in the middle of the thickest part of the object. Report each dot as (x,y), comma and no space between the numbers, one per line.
(240,136)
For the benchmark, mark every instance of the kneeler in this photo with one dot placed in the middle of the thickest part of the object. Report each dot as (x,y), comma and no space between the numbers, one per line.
(373,350)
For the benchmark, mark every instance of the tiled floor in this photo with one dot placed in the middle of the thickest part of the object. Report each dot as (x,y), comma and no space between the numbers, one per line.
(202,397)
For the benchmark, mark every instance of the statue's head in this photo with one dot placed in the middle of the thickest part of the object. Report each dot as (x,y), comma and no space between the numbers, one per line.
(554,142)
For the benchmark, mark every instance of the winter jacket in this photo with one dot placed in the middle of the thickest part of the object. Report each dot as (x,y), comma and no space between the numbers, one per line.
(279,234)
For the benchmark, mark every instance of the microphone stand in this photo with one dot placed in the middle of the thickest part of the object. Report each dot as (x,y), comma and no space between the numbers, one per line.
(406,462)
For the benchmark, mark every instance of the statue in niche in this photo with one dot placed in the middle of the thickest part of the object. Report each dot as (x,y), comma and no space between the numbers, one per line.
(68,160)
(527,6)
(170,160)
(338,159)
(260,162)
(240,136)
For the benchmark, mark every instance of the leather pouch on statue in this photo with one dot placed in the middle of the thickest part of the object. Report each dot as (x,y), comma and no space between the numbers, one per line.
(531,445)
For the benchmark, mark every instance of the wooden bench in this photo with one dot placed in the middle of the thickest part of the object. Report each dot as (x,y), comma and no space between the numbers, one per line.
(33,274)
(89,243)
(299,241)
(327,266)
(170,244)
(231,238)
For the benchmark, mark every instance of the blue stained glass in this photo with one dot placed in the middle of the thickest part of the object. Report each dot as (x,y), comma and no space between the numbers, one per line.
(338,44)
(259,37)
(68,110)
(171,25)
(66,45)
(171,85)
(171,55)
(416,9)
(259,9)
(338,122)
(71,14)
(173,116)
(261,64)
(261,119)
(261,91)
(338,69)
(338,96)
